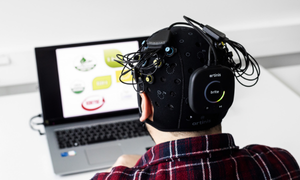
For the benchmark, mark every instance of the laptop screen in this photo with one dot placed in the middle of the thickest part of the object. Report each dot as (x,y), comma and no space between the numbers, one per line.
(89,79)
(81,81)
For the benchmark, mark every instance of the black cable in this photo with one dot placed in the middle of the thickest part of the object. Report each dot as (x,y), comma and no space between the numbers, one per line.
(33,123)
(246,69)
(206,38)
(174,24)
(131,63)
(241,69)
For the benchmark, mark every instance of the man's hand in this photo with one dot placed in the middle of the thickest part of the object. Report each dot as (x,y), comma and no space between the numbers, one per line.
(126,160)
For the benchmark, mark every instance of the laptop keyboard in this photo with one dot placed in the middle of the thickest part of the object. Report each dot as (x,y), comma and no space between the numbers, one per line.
(99,133)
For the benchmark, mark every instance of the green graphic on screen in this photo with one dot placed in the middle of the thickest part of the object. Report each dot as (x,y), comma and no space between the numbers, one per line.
(77,87)
(84,63)
(110,55)
(102,82)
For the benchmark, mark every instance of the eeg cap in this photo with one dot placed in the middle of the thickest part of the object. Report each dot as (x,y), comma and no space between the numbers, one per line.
(188,74)
(177,88)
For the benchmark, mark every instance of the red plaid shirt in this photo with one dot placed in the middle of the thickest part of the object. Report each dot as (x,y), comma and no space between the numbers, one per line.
(209,157)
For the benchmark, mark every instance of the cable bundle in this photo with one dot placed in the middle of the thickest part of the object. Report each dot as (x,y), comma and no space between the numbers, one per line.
(241,69)
(137,64)
(247,68)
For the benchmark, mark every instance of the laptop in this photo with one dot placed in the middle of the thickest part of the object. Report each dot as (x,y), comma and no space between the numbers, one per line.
(90,117)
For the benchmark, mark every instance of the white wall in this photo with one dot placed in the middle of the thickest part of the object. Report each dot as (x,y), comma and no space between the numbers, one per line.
(265,28)
(31,23)
(289,76)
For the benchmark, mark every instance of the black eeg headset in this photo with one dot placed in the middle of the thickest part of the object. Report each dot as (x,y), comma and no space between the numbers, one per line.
(210,87)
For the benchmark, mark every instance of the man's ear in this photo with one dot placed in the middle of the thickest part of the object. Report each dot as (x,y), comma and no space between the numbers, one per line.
(146,107)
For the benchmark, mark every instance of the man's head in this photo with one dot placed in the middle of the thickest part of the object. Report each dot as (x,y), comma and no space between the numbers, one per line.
(187,75)
(168,88)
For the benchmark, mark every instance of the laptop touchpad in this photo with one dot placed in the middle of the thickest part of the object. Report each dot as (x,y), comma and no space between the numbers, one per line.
(106,154)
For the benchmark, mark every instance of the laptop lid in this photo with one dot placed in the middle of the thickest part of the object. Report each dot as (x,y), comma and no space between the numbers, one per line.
(80,82)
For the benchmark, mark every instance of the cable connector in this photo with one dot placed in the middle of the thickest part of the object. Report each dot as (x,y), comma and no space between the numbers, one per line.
(214,33)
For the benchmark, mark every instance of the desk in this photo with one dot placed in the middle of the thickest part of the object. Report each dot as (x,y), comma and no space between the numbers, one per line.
(267,113)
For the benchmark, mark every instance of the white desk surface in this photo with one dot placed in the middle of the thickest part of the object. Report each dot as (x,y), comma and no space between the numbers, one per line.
(267,113)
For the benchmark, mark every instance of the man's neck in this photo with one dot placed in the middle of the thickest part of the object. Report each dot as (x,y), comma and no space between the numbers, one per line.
(160,136)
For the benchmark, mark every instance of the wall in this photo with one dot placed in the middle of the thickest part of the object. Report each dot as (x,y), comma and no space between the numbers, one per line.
(268,27)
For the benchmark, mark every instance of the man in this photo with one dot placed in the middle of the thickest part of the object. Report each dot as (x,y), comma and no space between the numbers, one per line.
(185,81)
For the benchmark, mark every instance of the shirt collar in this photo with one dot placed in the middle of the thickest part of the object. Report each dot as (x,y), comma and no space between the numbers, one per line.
(176,149)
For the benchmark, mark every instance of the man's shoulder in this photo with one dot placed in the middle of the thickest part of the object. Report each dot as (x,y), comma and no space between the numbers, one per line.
(276,161)
(263,149)
(269,153)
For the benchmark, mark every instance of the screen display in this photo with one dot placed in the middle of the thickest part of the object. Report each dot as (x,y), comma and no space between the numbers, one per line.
(89,79)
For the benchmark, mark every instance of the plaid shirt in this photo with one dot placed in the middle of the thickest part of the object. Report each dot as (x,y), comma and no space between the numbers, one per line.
(209,157)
